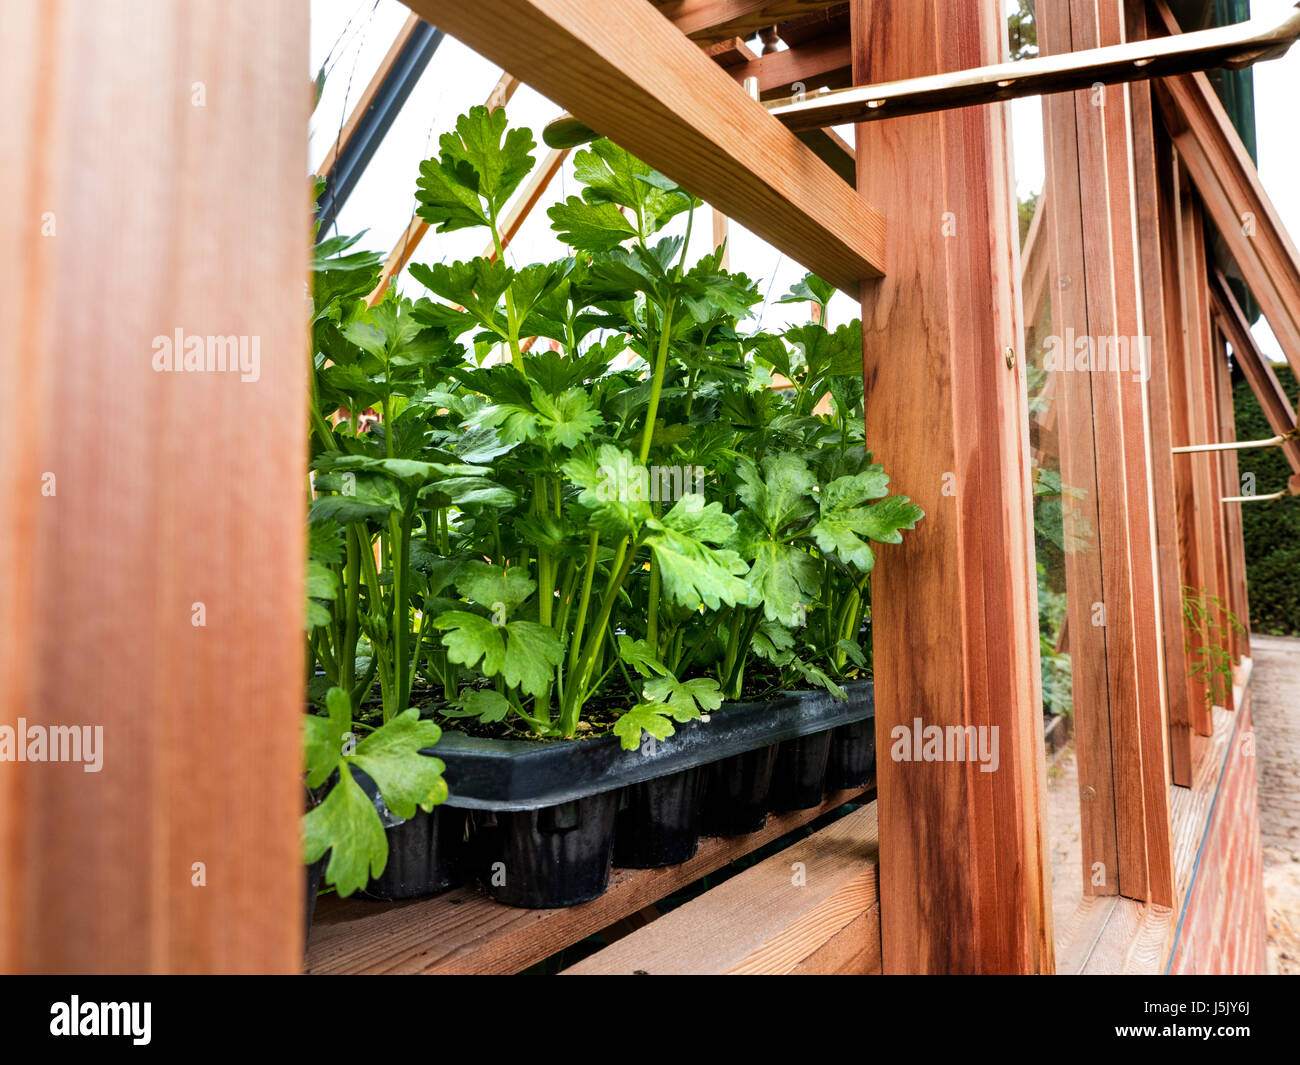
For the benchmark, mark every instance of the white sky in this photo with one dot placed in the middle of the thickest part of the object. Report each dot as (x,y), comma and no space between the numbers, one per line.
(355,34)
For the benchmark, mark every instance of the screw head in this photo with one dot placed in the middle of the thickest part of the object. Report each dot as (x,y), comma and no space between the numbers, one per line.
(1010,354)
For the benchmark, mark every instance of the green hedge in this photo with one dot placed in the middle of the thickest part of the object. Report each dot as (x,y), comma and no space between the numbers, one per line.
(1272,530)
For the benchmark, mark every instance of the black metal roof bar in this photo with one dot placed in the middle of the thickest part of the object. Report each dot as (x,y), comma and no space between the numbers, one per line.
(355,155)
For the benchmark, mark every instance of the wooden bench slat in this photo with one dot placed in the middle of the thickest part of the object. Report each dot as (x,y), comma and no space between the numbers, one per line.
(812,908)
(464,931)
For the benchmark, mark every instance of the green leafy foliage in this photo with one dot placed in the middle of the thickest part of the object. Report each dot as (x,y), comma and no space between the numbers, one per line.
(480,164)
(547,488)
(1271,531)
(346,823)
(1208,627)
(848,518)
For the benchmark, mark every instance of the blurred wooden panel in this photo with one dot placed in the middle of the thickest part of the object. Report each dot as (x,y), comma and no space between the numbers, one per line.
(154,181)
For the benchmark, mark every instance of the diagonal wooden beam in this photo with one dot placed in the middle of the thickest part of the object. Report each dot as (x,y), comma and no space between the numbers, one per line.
(1234,198)
(370,121)
(1258,370)
(626,71)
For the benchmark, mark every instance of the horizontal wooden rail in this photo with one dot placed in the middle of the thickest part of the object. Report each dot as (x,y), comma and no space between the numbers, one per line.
(464,931)
(823,61)
(629,73)
(706,21)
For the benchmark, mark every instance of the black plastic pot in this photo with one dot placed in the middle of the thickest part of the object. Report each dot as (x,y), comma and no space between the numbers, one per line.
(852,762)
(799,778)
(542,815)
(660,821)
(314,873)
(488,774)
(547,858)
(425,855)
(735,793)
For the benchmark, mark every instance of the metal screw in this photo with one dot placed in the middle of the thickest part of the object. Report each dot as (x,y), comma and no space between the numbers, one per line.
(1010,353)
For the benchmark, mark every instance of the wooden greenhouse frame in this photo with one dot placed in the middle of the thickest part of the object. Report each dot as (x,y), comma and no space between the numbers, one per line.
(199,676)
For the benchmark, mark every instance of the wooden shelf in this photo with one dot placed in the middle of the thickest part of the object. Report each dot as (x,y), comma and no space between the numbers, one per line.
(824,919)
(464,931)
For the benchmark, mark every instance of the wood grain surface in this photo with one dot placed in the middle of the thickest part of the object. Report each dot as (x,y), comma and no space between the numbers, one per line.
(156,183)
(785,914)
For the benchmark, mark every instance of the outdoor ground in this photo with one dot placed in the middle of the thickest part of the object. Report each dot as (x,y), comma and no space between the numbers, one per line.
(1275,698)
(1275,701)
(1065,850)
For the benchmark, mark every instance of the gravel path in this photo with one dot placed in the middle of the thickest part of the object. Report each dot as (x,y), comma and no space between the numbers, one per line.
(1275,702)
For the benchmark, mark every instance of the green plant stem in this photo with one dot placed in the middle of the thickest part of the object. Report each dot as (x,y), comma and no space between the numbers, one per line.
(363,685)
(652,613)
(516,355)
(656,384)
(593,541)
(401,591)
(379,656)
(577,691)
(326,659)
(351,593)
(686,662)
(737,677)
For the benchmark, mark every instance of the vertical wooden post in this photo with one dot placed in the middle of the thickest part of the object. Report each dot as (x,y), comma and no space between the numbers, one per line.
(1065,164)
(152,534)
(1179,340)
(1201,418)
(963,877)
(1234,537)
(720,236)
(1094,203)
(1154,269)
